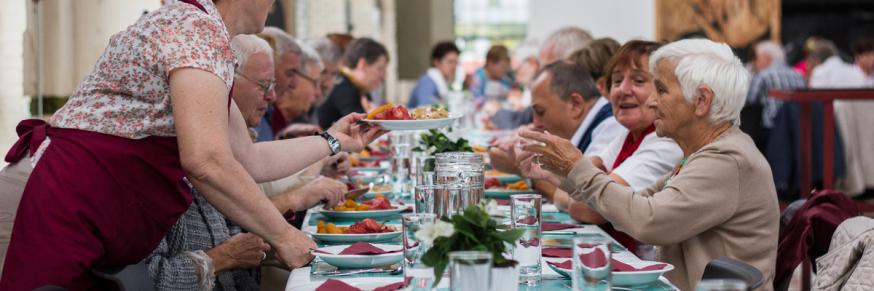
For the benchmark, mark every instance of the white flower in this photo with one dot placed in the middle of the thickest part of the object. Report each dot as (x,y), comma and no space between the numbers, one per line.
(492,208)
(429,232)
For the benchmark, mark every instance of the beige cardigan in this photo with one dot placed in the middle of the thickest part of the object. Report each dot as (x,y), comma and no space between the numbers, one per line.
(722,203)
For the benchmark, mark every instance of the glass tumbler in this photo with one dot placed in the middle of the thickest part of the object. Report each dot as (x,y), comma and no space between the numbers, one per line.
(525,214)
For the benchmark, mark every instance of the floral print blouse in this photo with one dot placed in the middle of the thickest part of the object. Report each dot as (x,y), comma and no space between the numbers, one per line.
(127,93)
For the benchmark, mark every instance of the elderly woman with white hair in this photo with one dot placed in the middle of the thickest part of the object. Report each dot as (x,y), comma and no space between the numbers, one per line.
(719,201)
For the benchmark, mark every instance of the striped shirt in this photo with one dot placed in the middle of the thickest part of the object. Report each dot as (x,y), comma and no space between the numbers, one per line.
(776,76)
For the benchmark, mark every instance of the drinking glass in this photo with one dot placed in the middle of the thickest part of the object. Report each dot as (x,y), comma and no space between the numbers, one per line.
(592,264)
(447,199)
(424,198)
(417,275)
(525,214)
(401,151)
(721,285)
(470,271)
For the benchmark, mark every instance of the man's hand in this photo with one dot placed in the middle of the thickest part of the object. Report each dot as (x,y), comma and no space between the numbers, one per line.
(352,136)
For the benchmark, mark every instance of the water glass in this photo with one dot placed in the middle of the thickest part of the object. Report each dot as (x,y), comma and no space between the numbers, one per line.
(401,151)
(419,165)
(721,285)
(470,271)
(525,214)
(419,276)
(447,199)
(592,264)
(424,198)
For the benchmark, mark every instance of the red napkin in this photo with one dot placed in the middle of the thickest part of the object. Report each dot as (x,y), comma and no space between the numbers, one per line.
(502,201)
(360,248)
(618,266)
(595,259)
(337,285)
(549,226)
(623,267)
(557,252)
(527,220)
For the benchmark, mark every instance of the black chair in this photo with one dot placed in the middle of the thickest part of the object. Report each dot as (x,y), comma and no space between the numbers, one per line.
(128,278)
(728,268)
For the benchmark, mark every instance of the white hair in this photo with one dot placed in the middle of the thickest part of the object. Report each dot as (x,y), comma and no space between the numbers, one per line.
(281,42)
(246,45)
(526,49)
(704,63)
(328,51)
(309,57)
(567,40)
(772,50)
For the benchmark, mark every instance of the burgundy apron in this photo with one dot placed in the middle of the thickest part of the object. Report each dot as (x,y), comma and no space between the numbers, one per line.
(93,200)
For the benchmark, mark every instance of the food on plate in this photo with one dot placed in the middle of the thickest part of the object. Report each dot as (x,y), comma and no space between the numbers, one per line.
(495,173)
(380,202)
(494,183)
(389,112)
(436,111)
(479,149)
(364,226)
(381,188)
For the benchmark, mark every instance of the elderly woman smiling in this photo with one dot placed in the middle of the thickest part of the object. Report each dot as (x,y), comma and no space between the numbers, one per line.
(719,201)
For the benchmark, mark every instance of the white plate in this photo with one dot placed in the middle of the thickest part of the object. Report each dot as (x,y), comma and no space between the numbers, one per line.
(363,214)
(353,238)
(415,124)
(368,169)
(625,278)
(360,261)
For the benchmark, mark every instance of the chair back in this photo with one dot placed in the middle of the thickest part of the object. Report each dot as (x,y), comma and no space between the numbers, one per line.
(129,278)
(728,268)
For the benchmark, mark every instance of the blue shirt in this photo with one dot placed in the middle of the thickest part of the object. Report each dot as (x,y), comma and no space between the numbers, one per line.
(425,93)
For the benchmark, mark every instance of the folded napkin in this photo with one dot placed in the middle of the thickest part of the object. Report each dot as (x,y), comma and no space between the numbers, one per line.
(618,266)
(527,220)
(549,226)
(594,259)
(502,201)
(337,285)
(557,252)
(360,248)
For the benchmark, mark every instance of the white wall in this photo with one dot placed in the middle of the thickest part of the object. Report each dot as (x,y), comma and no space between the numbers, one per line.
(13,104)
(622,20)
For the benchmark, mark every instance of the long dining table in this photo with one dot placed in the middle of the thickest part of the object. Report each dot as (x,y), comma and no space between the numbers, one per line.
(302,279)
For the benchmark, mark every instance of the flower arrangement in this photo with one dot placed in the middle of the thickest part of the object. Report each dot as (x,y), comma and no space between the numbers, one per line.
(435,142)
(471,230)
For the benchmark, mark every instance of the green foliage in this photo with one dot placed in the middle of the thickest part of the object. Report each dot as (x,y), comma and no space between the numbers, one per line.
(436,142)
(474,231)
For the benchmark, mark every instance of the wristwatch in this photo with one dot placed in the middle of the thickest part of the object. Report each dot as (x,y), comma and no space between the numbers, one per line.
(332,142)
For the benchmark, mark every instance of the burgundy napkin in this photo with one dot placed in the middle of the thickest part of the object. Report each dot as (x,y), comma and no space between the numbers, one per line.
(337,285)
(623,267)
(595,259)
(557,252)
(502,201)
(549,226)
(618,266)
(527,220)
(360,248)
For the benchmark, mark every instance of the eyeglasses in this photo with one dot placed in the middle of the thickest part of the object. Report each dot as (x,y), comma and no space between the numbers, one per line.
(265,86)
(316,83)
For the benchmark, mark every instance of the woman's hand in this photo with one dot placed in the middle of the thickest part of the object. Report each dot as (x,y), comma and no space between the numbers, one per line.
(296,250)
(555,154)
(352,136)
(327,189)
(244,250)
(336,165)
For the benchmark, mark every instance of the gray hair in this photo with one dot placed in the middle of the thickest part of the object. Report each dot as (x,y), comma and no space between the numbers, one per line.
(246,45)
(281,42)
(772,50)
(567,40)
(309,57)
(526,49)
(822,49)
(329,52)
(704,63)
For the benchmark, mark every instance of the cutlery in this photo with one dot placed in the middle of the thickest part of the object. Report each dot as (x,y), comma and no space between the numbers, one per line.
(391,269)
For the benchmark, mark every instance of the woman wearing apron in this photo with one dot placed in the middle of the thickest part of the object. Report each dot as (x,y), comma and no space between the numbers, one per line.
(112,169)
